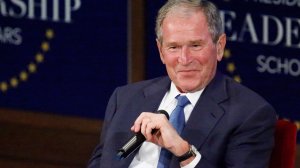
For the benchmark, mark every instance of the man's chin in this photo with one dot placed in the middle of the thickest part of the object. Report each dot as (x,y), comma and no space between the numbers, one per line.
(188,88)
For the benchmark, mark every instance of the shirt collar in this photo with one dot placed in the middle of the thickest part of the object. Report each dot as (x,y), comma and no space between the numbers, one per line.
(193,97)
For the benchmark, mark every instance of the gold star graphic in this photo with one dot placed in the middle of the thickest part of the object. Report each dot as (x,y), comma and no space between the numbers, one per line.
(23,76)
(230,67)
(14,82)
(49,34)
(45,46)
(39,58)
(227,53)
(3,86)
(32,68)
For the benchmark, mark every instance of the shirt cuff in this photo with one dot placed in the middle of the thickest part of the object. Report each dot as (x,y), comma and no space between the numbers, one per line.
(193,163)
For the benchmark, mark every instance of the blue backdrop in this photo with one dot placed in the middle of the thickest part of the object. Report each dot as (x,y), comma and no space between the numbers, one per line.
(63,57)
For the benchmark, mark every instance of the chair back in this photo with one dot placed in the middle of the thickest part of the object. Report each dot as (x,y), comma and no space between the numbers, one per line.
(284,152)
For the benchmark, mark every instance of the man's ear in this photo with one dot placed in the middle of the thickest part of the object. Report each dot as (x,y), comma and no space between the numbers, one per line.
(221,47)
(159,46)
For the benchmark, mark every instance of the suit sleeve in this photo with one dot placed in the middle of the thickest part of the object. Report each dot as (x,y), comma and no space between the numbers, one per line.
(252,142)
(95,160)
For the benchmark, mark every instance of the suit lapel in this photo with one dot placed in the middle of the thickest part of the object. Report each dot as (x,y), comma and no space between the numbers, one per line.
(205,114)
(154,94)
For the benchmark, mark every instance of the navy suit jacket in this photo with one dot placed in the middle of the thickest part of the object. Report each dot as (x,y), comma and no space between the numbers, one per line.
(231,126)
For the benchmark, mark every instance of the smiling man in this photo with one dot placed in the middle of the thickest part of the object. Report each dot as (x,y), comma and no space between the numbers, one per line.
(214,121)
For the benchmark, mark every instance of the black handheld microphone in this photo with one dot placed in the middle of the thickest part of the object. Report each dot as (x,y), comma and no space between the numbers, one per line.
(134,142)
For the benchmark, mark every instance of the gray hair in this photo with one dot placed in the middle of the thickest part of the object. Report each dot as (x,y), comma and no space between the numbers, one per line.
(209,9)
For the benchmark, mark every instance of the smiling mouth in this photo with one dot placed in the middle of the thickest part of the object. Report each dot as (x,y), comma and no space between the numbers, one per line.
(186,71)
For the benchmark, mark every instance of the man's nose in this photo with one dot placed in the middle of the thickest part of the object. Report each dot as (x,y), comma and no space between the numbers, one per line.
(184,57)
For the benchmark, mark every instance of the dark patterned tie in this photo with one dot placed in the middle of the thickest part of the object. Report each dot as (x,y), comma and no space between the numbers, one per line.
(177,119)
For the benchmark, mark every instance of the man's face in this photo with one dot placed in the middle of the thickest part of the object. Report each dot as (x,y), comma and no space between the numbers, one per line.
(188,51)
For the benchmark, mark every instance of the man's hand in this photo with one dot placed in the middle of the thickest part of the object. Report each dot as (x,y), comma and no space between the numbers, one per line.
(166,136)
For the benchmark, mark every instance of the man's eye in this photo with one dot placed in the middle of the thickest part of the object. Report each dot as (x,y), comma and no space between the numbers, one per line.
(196,46)
(172,47)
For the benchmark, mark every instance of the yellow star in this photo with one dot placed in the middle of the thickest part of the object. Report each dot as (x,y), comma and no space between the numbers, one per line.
(39,57)
(227,53)
(23,76)
(49,34)
(32,68)
(45,46)
(230,67)
(237,78)
(3,86)
(14,82)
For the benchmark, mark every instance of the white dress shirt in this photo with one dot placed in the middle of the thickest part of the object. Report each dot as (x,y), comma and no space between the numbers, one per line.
(148,154)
